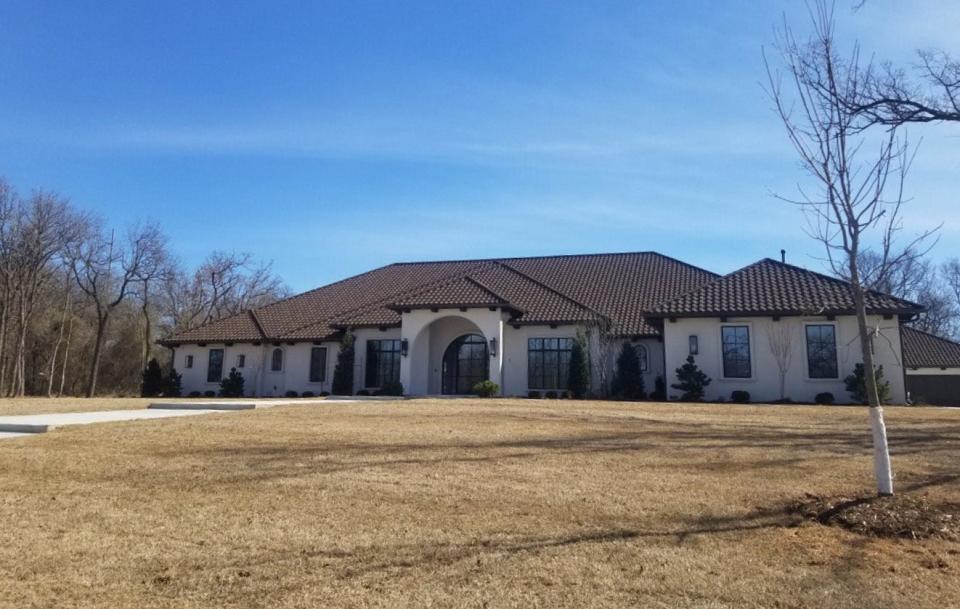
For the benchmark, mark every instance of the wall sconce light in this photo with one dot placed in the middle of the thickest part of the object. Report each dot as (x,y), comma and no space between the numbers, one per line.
(493,347)
(694,345)
(404,347)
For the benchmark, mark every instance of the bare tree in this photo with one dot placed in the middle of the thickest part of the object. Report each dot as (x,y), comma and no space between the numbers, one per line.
(951,275)
(859,180)
(780,341)
(224,284)
(7,248)
(107,271)
(60,336)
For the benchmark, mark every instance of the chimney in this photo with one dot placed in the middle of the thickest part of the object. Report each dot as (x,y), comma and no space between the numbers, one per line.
(783,256)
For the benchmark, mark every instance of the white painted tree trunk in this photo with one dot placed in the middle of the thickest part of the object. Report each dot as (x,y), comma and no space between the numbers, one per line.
(882,469)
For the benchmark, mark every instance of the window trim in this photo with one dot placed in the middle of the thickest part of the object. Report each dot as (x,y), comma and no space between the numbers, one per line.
(750,346)
(645,360)
(530,386)
(209,355)
(836,352)
(188,361)
(241,361)
(283,359)
(323,370)
(366,360)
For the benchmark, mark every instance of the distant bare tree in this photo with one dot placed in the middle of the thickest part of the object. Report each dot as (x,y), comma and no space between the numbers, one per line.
(859,181)
(780,341)
(224,284)
(107,271)
(951,275)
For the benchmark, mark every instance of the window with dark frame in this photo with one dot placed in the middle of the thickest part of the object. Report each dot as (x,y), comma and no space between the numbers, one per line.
(822,351)
(548,362)
(736,352)
(318,364)
(241,360)
(383,362)
(276,360)
(642,356)
(215,366)
(189,362)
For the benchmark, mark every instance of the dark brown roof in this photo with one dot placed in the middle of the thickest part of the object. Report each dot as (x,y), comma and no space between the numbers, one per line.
(540,290)
(769,287)
(925,350)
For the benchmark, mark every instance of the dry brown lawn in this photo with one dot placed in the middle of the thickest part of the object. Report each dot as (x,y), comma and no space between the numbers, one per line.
(469,503)
(38,405)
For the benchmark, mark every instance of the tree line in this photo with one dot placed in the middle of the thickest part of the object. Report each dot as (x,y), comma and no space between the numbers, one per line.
(82,303)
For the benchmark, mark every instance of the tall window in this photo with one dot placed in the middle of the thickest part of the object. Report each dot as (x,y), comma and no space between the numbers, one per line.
(276,360)
(189,362)
(736,351)
(241,360)
(318,364)
(822,351)
(642,356)
(215,366)
(548,362)
(383,362)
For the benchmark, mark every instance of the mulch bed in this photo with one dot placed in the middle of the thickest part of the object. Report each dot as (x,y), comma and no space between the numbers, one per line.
(900,516)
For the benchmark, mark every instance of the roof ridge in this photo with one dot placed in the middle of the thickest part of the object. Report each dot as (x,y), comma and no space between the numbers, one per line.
(931,335)
(256,322)
(552,289)
(483,287)
(425,287)
(503,258)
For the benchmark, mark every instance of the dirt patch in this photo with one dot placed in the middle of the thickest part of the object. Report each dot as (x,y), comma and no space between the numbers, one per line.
(901,516)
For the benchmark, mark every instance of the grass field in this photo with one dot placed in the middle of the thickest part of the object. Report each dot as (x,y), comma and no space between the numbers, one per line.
(470,503)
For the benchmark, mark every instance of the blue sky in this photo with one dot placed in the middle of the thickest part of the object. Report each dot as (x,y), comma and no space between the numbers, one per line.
(335,137)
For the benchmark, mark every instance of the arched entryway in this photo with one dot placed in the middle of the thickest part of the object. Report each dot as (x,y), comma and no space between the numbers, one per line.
(465,363)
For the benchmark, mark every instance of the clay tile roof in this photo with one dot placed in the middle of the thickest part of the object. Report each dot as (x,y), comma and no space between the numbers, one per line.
(547,289)
(769,287)
(924,350)
(462,291)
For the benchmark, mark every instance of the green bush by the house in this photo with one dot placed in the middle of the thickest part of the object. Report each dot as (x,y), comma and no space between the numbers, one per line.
(857,385)
(343,371)
(391,388)
(232,386)
(739,396)
(691,381)
(151,383)
(825,398)
(486,389)
(628,379)
(578,379)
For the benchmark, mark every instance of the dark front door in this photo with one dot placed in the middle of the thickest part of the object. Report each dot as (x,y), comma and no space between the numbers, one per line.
(465,363)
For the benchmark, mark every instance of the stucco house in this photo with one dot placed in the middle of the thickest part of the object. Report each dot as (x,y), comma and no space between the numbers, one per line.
(440,327)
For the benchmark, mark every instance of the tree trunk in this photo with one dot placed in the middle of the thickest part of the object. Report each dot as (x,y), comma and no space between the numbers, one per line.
(66,358)
(56,346)
(97,351)
(3,343)
(882,468)
(147,329)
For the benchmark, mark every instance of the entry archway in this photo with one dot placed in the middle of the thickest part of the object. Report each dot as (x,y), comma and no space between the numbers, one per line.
(465,363)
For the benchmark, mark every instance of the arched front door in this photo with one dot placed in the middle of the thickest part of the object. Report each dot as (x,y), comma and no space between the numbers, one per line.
(465,363)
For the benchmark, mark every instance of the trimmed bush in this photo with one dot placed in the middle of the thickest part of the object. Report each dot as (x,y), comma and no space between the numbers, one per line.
(533,395)
(825,398)
(579,376)
(172,384)
(343,371)
(324,394)
(486,389)
(195,394)
(391,388)
(628,379)
(691,381)
(857,385)
(659,389)
(361,392)
(738,396)
(232,386)
(209,393)
(291,394)
(307,394)
(550,395)
(151,380)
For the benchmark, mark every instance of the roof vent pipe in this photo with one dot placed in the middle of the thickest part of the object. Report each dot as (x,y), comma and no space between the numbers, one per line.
(783,256)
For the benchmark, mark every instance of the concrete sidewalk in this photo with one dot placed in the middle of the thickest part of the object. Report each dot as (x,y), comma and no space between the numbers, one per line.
(40,423)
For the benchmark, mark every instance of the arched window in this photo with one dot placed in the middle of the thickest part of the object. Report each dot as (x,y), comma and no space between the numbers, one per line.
(276,360)
(642,356)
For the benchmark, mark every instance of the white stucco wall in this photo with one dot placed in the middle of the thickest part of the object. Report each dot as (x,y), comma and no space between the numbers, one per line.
(933,371)
(764,385)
